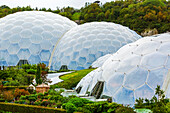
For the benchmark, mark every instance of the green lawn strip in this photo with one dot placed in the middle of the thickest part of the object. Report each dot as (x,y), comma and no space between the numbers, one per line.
(72,79)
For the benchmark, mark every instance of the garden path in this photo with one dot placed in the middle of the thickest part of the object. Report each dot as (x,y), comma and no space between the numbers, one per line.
(54,77)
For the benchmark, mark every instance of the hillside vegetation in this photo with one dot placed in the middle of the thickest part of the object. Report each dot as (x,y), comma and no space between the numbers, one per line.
(138,15)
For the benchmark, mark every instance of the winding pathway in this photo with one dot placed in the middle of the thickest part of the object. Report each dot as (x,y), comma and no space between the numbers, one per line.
(54,77)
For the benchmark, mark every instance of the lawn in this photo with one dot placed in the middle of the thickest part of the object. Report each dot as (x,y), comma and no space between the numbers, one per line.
(72,79)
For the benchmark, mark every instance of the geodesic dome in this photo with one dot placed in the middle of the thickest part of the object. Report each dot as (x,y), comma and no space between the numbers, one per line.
(99,62)
(135,70)
(83,44)
(30,36)
(89,81)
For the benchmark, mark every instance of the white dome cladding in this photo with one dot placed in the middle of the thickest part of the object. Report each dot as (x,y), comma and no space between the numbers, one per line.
(83,44)
(136,69)
(30,35)
(99,62)
(89,81)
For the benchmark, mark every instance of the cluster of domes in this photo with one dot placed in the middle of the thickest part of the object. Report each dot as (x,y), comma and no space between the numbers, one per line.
(124,73)
(133,71)
(37,36)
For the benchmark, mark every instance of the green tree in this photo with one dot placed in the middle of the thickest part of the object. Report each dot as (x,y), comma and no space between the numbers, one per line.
(153,2)
(100,16)
(160,93)
(107,14)
(38,75)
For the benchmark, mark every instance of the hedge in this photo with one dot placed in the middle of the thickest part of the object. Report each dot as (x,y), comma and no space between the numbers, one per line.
(11,107)
(13,87)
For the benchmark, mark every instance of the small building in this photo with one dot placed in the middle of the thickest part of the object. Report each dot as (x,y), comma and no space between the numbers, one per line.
(42,88)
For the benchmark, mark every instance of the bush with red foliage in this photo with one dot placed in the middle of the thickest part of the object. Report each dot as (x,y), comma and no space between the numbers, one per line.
(8,95)
(18,92)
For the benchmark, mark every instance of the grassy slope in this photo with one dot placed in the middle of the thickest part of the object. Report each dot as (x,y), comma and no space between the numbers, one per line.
(72,79)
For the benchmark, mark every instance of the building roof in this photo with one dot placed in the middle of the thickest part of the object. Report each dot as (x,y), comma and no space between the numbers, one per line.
(43,85)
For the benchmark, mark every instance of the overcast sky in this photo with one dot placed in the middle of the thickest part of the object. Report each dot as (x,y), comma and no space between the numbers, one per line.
(48,3)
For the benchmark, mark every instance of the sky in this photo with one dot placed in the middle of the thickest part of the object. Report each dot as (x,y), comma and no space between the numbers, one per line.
(48,3)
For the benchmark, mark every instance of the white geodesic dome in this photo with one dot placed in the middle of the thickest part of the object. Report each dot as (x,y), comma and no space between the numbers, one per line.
(89,81)
(83,44)
(136,69)
(31,36)
(99,62)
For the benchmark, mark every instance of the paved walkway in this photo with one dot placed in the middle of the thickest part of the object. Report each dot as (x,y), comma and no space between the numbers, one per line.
(54,77)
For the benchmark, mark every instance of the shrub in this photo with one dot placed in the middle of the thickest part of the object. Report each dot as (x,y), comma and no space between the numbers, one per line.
(112,107)
(79,102)
(81,109)
(99,107)
(22,97)
(45,103)
(18,92)
(51,92)
(45,97)
(31,71)
(58,104)
(8,95)
(96,107)
(32,97)
(168,107)
(61,90)
(46,93)
(16,102)
(22,101)
(40,95)
(26,66)
(57,97)
(12,83)
(70,107)
(38,103)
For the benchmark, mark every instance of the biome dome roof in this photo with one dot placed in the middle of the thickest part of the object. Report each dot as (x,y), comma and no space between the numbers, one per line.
(89,81)
(99,62)
(83,44)
(136,69)
(30,35)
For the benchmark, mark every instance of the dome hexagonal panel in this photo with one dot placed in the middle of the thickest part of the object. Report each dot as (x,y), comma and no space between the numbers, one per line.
(23,54)
(45,55)
(35,49)
(4,44)
(99,62)
(12,60)
(124,96)
(13,49)
(144,92)
(3,55)
(34,59)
